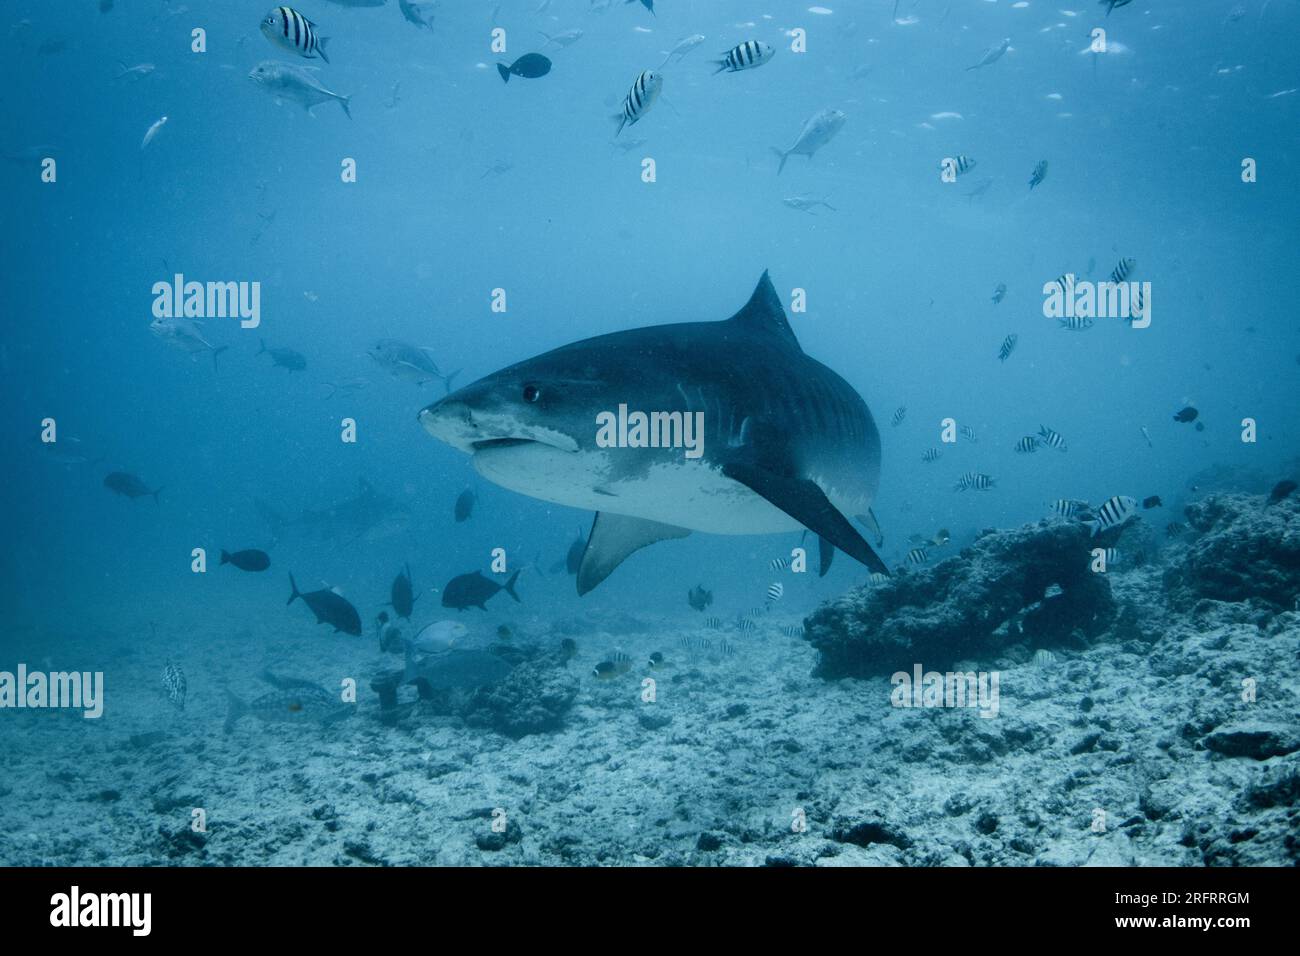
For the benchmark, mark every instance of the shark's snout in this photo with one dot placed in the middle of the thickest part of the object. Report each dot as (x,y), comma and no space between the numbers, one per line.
(451,422)
(473,430)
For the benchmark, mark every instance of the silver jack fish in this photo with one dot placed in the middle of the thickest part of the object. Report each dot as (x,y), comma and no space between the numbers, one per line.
(819,130)
(285,81)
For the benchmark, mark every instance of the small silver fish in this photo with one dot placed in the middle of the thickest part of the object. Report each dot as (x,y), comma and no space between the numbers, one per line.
(184,334)
(152,132)
(684,46)
(286,81)
(992,54)
(567,38)
(818,130)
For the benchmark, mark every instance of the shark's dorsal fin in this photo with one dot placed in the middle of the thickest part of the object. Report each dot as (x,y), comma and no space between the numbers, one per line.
(763,313)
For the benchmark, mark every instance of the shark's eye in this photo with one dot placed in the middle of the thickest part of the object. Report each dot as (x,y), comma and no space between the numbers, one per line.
(531,394)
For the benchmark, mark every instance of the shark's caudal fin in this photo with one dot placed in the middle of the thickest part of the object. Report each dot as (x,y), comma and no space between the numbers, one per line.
(763,313)
(804,501)
(295,595)
(614,537)
(783,155)
(510,587)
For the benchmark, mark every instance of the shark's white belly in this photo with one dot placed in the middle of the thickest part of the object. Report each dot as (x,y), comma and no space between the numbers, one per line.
(688,493)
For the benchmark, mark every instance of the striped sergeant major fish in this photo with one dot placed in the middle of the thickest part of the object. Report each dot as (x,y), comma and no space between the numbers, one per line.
(876,578)
(968,433)
(956,166)
(898,416)
(1115,512)
(705,644)
(1112,556)
(744,56)
(778,564)
(713,622)
(1075,323)
(775,591)
(640,98)
(727,647)
(1051,437)
(976,480)
(746,625)
(1008,346)
(1123,270)
(1068,507)
(793,630)
(1137,308)
(1027,444)
(290,30)
(756,611)
(1065,283)
(1040,173)
(930,455)
(918,556)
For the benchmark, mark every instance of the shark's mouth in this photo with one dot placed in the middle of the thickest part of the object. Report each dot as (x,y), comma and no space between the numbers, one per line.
(501,443)
(550,440)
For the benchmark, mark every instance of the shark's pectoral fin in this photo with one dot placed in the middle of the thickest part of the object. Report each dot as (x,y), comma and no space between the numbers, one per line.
(613,537)
(804,501)
(826,552)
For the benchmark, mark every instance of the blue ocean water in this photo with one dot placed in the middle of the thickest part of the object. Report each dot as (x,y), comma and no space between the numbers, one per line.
(465,185)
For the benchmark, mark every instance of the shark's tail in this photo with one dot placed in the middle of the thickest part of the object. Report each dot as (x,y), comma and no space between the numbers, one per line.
(346,103)
(235,708)
(505,73)
(510,587)
(259,351)
(217,351)
(784,155)
(225,556)
(295,595)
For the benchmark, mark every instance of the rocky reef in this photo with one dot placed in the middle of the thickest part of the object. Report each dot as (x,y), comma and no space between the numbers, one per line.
(1032,583)
(532,699)
(1247,549)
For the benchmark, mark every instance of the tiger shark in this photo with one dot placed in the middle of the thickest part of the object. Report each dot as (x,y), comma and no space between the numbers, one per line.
(740,433)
